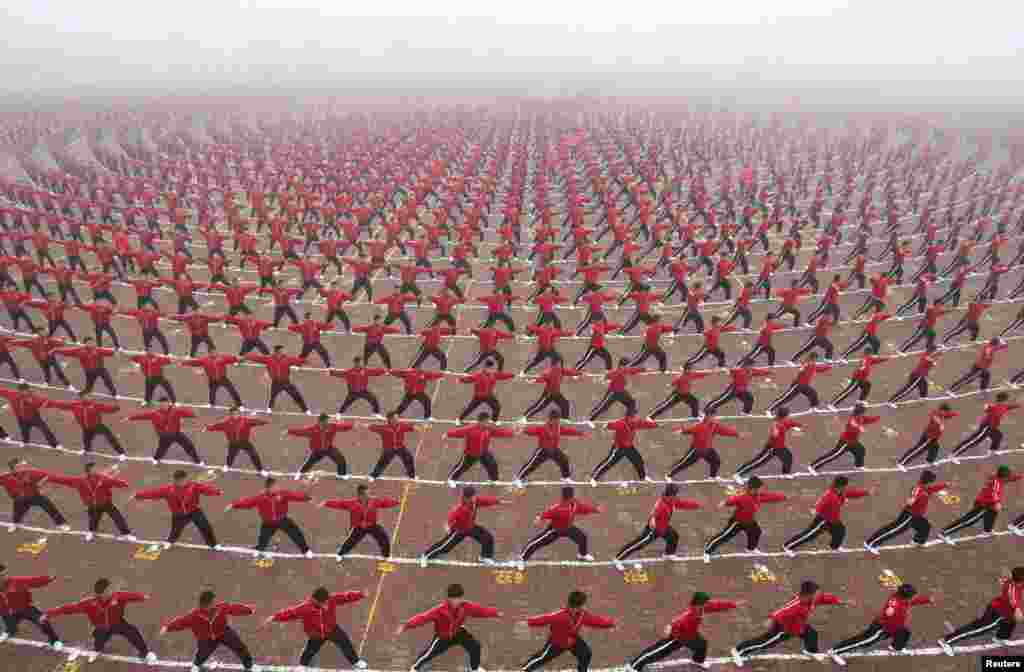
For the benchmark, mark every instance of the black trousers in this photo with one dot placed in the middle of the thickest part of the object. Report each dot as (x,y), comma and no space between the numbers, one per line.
(494,318)
(288,387)
(919,382)
(180,520)
(646,537)
(542,455)
(50,368)
(61,324)
(154,382)
(541,355)
(646,352)
(590,354)
(236,447)
(378,349)
(332,453)
(36,422)
(338,637)
(425,352)
(985,515)
(100,637)
(352,397)
(905,521)
(357,534)
(216,385)
(388,455)
(22,505)
(734,527)
(815,342)
(865,339)
(690,458)
(438,646)
(926,445)
(873,634)
(990,620)
(922,331)
(89,434)
(231,640)
(476,402)
(95,513)
(550,535)
(32,615)
(663,648)
(776,636)
(168,439)
(280,312)
(856,449)
(704,352)
(791,394)
(581,650)
(784,455)
(198,340)
(318,348)
(818,525)
(483,356)
(250,344)
(545,400)
(454,538)
(286,525)
(672,401)
(752,356)
(615,456)
(407,400)
(745,397)
(609,398)
(486,460)
(984,431)
(984,376)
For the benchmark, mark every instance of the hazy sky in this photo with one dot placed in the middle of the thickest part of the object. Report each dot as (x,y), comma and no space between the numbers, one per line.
(53,43)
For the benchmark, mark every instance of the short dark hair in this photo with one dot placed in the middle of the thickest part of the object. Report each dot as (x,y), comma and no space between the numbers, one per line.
(754,483)
(179,474)
(808,587)
(1003,471)
(577,599)
(468,491)
(1017,574)
(840,482)
(568,492)
(101,586)
(269,481)
(906,590)
(455,591)
(361,489)
(699,598)
(671,490)
(321,594)
(927,476)
(206,598)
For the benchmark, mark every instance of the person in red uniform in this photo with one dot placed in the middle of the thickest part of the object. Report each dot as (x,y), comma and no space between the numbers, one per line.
(167,424)
(89,416)
(987,504)
(392,437)
(829,305)
(547,338)
(26,405)
(431,346)
(483,383)
(764,343)
(44,349)
(279,369)
(982,367)
(564,635)
(310,330)
(928,443)
(358,381)
(988,426)
(775,446)
(681,392)
(818,339)
(477,439)
(272,505)
(876,300)
(559,522)
(22,484)
(549,437)
(617,392)
(710,345)
(684,631)
(489,339)
(449,620)
(702,434)
(918,377)
(658,526)
(209,625)
(237,429)
(925,328)
(849,440)
(17,605)
(790,620)
(891,623)
(739,388)
(282,302)
(336,298)
(461,523)
(321,444)
(552,380)
(745,506)
(623,433)
(597,347)
(250,329)
(913,516)
(827,511)
(790,297)
(320,623)
(363,511)
(182,498)
(105,611)
(859,380)
(216,368)
(802,384)
(971,321)
(1001,615)
(415,383)
(375,333)
(96,491)
(869,337)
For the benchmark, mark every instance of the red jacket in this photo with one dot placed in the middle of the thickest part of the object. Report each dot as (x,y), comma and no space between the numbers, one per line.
(777,433)
(566,625)
(278,366)
(546,336)
(562,515)
(448,619)
(704,432)
(683,381)
(855,427)
(484,381)
(166,420)
(549,435)
(94,489)
(625,430)
(994,413)
(215,366)
(686,626)
(809,370)
(478,437)
(23,482)
(863,372)
(661,514)
(489,338)
(552,378)
(24,405)
(896,612)
(462,516)
(152,365)
(89,356)
(415,381)
(15,595)
(358,378)
(375,333)
(272,506)
(1009,598)
(88,414)
(102,611)
(617,377)
(237,428)
(830,504)
(321,437)
(920,496)
(209,624)
(935,425)
(992,492)
(249,328)
(180,500)
(792,616)
(310,330)
(362,515)
(742,376)
(318,619)
(652,335)
(747,505)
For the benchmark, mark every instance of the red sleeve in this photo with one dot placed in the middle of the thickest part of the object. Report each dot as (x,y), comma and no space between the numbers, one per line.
(856,493)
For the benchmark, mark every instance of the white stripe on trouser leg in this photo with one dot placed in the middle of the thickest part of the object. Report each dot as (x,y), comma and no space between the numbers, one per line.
(976,631)
(722,535)
(648,536)
(606,461)
(856,645)
(978,437)
(536,659)
(426,654)
(445,545)
(644,657)
(763,645)
(531,463)
(806,535)
(537,541)
(458,465)
(967,523)
(349,537)
(785,397)
(830,455)
(893,532)
(761,459)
